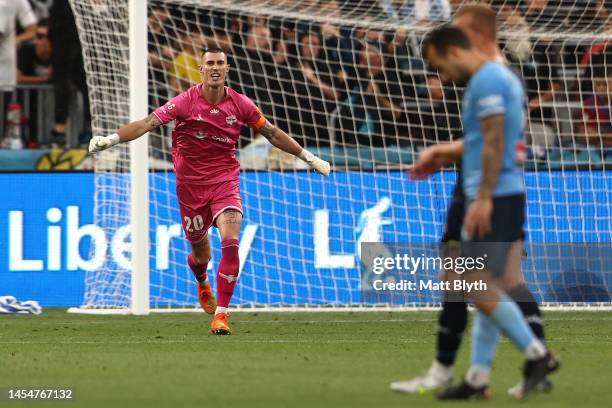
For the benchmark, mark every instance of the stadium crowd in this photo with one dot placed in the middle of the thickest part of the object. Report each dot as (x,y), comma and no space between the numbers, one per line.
(334,83)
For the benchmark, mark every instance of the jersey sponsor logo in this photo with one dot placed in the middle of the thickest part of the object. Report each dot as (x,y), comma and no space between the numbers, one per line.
(200,118)
(214,111)
(222,139)
(231,120)
(201,135)
(490,101)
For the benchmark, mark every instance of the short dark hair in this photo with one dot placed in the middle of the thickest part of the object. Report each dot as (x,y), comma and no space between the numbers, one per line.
(443,37)
(214,50)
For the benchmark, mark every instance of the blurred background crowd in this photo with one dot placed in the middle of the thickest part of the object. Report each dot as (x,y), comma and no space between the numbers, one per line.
(353,78)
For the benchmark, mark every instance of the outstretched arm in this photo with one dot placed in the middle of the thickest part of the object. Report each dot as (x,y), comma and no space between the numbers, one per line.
(127,133)
(286,143)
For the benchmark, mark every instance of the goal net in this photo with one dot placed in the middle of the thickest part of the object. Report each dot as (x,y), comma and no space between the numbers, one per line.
(346,79)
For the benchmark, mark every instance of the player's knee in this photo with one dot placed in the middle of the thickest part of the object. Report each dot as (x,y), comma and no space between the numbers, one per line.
(201,259)
(201,252)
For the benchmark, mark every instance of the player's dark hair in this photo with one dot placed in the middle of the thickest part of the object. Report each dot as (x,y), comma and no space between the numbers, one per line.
(213,50)
(443,37)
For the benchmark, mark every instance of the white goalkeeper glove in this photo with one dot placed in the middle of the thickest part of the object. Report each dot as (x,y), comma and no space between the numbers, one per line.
(320,166)
(99,143)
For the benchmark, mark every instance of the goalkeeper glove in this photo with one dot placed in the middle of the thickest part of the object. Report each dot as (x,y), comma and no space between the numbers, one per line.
(99,143)
(320,166)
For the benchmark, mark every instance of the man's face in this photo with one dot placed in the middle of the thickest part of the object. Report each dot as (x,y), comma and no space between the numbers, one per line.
(372,59)
(42,39)
(603,87)
(160,14)
(261,35)
(214,69)
(449,67)
(311,46)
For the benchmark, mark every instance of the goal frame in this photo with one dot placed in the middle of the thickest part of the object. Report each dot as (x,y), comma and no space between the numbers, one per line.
(139,168)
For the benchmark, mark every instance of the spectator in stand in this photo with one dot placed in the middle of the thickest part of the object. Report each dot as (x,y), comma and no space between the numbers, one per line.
(161,53)
(186,65)
(416,11)
(161,57)
(596,123)
(440,115)
(34,67)
(311,93)
(596,53)
(540,67)
(564,15)
(34,58)
(373,110)
(10,11)
(537,12)
(334,38)
(409,68)
(263,72)
(68,69)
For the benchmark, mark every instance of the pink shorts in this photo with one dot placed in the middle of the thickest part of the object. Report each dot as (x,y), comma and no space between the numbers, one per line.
(201,205)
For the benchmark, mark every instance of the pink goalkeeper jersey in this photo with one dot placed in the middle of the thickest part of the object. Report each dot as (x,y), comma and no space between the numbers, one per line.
(205,135)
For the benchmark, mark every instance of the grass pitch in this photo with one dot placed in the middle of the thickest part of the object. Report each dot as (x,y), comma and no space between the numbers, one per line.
(276,359)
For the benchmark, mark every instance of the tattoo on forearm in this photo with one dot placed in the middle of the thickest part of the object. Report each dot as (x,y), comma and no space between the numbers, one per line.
(492,152)
(268,131)
(152,121)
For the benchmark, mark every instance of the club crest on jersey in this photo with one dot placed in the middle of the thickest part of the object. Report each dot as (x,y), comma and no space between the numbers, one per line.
(214,111)
(231,120)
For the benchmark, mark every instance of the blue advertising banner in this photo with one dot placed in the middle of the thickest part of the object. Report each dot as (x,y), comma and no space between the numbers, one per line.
(301,234)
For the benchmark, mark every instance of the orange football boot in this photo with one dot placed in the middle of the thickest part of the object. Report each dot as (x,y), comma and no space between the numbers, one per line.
(207,298)
(220,325)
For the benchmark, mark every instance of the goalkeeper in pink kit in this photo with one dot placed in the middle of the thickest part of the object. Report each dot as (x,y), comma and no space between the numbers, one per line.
(208,118)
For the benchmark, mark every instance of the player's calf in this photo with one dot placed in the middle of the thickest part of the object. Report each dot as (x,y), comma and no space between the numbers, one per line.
(205,294)
(228,273)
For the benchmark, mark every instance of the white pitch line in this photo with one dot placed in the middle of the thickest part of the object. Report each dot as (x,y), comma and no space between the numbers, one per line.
(272,341)
(74,323)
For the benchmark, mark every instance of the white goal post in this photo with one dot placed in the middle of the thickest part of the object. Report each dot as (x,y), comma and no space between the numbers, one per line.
(347,80)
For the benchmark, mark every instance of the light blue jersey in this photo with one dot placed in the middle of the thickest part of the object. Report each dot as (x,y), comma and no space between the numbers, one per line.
(494,89)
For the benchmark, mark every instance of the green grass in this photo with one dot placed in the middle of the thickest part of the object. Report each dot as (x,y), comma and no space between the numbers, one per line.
(275,359)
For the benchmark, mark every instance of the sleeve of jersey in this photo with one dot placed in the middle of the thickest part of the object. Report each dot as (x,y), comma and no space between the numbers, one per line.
(489,96)
(25,14)
(253,116)
(173,109)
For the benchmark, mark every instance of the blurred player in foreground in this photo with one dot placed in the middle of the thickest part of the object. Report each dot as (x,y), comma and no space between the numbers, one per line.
(208,118)
(491,154)
(479,22)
